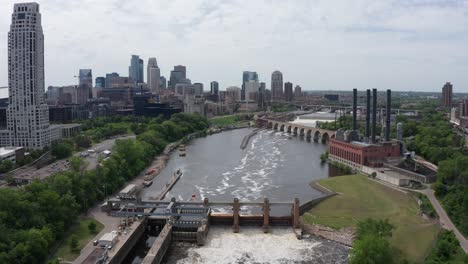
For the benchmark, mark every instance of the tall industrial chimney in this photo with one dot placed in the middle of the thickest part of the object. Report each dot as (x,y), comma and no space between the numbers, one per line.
(368,111)
(388,113)
(354,109)
(374,114)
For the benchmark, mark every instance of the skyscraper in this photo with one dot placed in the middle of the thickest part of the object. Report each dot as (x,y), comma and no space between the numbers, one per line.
(135,70)
(214,87)
(297,91)
(182,69)
(251,90)
(110,79)
(100,82)
(178,75)
(27,114)
(247,76)
(464,107)
(197,88)
(162,83)
(153,75)
(277,85)
(447,95)
(85,85)
(288,92)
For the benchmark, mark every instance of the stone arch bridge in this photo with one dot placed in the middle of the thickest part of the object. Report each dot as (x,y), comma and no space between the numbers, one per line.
(317,134)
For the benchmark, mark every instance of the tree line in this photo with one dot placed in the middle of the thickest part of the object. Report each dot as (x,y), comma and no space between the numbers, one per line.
(36,216)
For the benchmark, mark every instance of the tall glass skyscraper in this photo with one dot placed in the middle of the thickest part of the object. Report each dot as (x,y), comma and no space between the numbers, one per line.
(246,77)
(27,114)
(135,70)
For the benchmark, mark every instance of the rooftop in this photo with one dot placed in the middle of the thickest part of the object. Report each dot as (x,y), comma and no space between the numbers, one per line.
(8,150)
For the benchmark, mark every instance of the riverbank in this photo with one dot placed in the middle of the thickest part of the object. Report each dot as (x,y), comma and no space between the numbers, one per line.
(413,235)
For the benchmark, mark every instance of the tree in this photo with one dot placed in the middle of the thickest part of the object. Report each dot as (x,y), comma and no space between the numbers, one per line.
(6,166)
(92,227)
(82,141)
(62,149)
(371,249)
(380,228)
(74,243)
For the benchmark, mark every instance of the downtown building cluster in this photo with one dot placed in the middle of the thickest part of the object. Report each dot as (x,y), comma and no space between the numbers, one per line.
(34,118)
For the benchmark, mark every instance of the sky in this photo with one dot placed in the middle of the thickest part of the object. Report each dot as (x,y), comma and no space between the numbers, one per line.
(405,45)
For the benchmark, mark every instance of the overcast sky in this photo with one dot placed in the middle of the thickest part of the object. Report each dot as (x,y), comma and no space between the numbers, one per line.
(401,45)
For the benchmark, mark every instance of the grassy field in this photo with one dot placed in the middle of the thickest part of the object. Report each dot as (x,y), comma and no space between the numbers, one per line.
(84,236)
(361,198)
(224,120)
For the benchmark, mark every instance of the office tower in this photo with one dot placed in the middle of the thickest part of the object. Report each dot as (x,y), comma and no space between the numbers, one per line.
(233,93)
(214,87)
(288,91)
(100,82)
(162,83)
(277,85)
(135,70)
(247,76)
(197,88)
(27,114)
(297,91)
(182,69)
(154,76)
(85,85)
(261,95)
(110,79)
(251,90)
(447,95)
(178,75)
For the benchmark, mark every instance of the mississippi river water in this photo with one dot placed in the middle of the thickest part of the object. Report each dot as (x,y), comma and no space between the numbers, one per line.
(274,165)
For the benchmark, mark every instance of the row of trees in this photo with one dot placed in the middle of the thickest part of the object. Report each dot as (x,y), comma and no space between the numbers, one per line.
(32,219)
(447,250)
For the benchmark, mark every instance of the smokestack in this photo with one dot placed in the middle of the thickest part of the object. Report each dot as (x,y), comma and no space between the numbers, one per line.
(354,109)
(368,111)
(388,113)
(374,114)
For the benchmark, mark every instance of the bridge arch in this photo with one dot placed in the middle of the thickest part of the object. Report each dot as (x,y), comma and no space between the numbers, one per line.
(282,127)
(295,130)
(317,136)
(309,134)
(289,129)
(325,138)
(270,125)
(302,132)
(275,126)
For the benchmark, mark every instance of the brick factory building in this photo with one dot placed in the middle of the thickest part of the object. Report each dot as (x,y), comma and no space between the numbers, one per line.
(357,154)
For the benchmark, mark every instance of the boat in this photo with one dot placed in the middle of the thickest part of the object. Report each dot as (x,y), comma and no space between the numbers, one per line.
(178,172)
(182,154)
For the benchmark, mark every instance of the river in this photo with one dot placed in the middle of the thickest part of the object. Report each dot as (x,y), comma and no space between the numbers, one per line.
(274,165)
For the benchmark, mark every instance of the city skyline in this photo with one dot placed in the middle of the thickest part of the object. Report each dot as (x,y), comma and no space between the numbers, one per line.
(321,46)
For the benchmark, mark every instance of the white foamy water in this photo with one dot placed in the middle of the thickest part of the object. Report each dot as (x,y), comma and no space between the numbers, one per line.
(251,246)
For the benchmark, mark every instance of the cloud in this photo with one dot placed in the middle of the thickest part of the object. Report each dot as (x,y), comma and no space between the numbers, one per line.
(339,44)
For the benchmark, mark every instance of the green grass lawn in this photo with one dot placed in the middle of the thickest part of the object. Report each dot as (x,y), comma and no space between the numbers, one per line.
(224,120)
(361,198)
(84,236)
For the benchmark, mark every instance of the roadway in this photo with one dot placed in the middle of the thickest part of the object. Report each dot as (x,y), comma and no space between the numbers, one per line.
(31,172)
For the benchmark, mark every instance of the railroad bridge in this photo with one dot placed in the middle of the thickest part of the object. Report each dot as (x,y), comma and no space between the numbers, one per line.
(317,134)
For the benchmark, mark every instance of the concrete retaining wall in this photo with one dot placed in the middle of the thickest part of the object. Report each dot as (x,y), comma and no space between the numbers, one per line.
(129,244)
(161,244)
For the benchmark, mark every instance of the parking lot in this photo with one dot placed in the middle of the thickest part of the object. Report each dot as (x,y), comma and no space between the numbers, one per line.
(91,159)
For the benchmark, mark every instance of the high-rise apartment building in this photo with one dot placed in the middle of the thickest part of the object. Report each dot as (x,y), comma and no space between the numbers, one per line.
(153,75)
(277,85)
(27,113)
(447,95)
(197,88)
(288,92)
(247,76)
(464,107)
(135,70)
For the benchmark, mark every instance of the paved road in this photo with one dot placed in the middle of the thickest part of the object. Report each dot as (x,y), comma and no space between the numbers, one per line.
(445,221)
(63,165)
